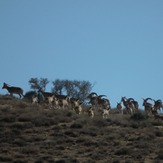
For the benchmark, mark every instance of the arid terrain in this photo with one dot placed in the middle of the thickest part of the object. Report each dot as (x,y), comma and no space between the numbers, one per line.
(36,134)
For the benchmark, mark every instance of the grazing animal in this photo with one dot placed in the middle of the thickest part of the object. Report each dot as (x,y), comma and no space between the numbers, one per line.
(50,100)
(158,105)
(13,90)
(78,109)
(56,103)
(103,102)
(105,113)
(34,99)
(119,107)
(74,103)
(64,102)
(127,104)
(148,107)
(91,113)
(93,99)
(48,97)
(134,104)
(46,94)
(97,100)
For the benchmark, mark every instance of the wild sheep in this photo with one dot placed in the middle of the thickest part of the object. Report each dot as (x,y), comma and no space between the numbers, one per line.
(34,99)
(78,109)
(134,104)
(64,103)
(158,105)
(127,105)
(50,99)
(56,103)
(93,99)
(13,90)
(148,107)
(74,103)
(91,112)
(45,94)
(119,107)
(105,113)
(103,102)
(97,100)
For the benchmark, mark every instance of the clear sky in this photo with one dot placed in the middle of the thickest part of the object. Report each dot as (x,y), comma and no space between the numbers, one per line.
(115,44)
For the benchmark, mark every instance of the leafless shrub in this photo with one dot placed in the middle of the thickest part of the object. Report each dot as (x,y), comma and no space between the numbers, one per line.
(116,161)
(71,133)
(160,155)
(5,108)
(21,125)
(157,122)
(27,150)
(97,155)
(20,161)
(5,158)
(16,132)
(158,133)
(7,118)
(19,142)
(99,122)
(138,116)
(116,143)
(24,118)
(66,160)
(90,142)
(119,120)
(135,125)
(89,130)
(43,121)
(123,151)
(20,104)
(76,125)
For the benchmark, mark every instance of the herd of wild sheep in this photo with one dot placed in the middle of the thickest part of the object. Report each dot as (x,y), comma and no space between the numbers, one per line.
(125,106)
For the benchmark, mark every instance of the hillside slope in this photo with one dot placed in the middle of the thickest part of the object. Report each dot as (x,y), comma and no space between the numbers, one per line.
(34,133)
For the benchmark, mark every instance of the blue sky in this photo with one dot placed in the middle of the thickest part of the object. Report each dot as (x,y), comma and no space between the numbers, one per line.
(116,45)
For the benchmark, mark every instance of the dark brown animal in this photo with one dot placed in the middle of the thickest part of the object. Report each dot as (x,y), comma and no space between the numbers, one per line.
(13,90)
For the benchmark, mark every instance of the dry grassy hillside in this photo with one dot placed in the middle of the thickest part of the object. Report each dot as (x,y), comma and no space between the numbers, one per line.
(34,134)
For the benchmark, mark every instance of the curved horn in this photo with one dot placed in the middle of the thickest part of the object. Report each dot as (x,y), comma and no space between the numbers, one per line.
(130,99)
(102,96)
(93,93)
(148,99)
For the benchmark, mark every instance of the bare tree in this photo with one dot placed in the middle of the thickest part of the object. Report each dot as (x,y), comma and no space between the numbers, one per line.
(58,86)
(73,88)
(36,83)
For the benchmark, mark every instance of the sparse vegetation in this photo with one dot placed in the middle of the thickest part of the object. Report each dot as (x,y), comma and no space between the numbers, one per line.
(35,133)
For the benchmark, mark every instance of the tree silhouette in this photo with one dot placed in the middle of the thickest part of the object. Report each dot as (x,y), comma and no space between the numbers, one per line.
(36,83)
(73,88)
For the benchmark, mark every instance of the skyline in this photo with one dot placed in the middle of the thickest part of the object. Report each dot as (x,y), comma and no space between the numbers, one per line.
(116,45)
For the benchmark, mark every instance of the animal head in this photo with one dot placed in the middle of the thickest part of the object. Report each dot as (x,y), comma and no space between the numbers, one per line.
(4,85)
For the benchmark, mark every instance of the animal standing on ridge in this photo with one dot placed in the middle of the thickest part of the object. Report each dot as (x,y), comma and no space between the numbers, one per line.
(13,90)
